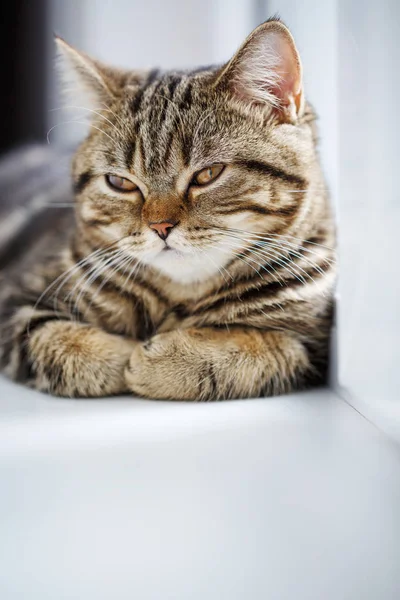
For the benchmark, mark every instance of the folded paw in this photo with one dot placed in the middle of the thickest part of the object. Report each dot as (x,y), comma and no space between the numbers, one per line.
(164,368)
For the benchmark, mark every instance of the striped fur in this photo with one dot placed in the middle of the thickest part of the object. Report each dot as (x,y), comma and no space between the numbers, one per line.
(236,302)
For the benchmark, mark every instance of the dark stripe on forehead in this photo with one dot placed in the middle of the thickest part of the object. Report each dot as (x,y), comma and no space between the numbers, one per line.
(168,147)
(162,120)
(187,144)
(82,181)
(267,169)
(152,76)
(156,91)
(172,85)
(156,109)
(129,151)
(186,96)
(137,100)
(142,152)
(166,94)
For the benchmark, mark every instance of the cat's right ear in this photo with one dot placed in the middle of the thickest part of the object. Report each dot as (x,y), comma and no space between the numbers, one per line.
(85,81)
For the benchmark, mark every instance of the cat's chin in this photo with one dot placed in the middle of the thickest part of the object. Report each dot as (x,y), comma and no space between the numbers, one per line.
(184,267)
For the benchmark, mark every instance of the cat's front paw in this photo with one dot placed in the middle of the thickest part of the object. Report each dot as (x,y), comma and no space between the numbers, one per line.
(158,369)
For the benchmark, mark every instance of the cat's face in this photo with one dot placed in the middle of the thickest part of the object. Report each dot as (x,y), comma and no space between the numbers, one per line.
(180,170)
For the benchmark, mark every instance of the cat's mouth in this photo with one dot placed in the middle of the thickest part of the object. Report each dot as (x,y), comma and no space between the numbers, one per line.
(170,249)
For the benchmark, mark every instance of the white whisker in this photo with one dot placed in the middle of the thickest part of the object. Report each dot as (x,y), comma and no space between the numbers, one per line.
(79,122)
(220,269)
(200,123)
(275,235)
(284,266)
(89,278)
(95,112)
(276,256)
(272,244)
(63,277)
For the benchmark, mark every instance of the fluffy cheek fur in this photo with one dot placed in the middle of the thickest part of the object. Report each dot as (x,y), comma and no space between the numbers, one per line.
(191,257)
(105,218)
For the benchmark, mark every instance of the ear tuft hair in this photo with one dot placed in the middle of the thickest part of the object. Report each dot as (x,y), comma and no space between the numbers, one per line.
(267,71)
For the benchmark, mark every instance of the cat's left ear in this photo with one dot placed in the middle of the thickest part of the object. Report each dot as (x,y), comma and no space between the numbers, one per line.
(266,71)
(86,80)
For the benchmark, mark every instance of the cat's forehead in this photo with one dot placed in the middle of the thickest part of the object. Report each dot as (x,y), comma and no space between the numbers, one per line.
(171,122)
(172,92)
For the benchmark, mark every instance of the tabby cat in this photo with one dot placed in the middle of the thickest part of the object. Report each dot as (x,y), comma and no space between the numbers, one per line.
(197,262)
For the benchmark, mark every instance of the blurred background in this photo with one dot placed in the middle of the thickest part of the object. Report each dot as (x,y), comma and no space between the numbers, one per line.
(350,54)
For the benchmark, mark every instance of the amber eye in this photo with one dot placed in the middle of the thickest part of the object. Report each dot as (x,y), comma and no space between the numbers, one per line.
(207,175)
(120,183)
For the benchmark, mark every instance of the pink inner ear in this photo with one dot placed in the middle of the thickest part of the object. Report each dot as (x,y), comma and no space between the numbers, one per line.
(268,70)
(286,66)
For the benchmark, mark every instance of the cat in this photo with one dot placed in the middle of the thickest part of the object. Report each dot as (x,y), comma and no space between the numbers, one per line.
(198,262)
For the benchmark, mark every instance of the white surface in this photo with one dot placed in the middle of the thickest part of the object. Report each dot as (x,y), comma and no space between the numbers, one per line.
(292,497)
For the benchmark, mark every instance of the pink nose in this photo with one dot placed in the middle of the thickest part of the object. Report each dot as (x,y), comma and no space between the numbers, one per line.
(162,229)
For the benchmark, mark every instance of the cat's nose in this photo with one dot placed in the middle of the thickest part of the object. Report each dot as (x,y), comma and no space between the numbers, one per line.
(163,229)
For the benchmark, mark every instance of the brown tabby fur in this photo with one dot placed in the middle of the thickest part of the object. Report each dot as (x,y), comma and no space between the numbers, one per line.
(100,308)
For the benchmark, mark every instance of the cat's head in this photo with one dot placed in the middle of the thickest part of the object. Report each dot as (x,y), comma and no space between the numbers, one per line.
(181,169)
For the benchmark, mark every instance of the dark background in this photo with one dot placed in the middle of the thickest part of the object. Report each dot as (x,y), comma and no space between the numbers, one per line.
(23,44)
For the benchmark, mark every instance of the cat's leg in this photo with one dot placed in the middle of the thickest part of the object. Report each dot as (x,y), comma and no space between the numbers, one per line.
(213,364)
(63,357)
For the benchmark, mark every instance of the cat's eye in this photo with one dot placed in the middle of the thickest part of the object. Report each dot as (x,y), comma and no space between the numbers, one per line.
(207,175)
(121,184)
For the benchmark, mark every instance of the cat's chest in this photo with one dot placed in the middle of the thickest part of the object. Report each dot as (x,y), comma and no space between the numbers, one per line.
(171,306)
(138,316)
(146,310)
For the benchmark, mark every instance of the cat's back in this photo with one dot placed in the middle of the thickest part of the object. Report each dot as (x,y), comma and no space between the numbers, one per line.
(36,209)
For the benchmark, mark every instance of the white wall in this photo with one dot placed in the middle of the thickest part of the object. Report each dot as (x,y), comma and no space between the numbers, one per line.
(169,33)
(145,34)
(150,33)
